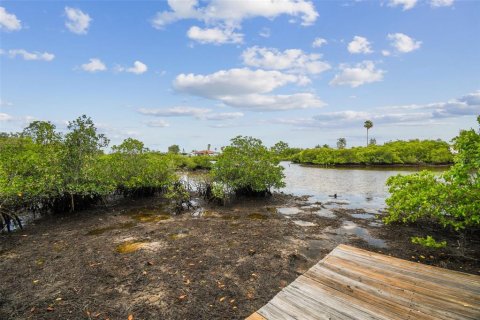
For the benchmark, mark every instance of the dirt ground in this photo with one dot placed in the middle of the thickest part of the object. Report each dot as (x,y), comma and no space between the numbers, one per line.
(133,258)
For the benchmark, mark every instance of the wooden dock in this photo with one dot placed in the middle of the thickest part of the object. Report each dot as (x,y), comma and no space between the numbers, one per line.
(351,283)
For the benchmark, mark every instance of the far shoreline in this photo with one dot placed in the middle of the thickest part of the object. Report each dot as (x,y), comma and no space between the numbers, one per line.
(373,166)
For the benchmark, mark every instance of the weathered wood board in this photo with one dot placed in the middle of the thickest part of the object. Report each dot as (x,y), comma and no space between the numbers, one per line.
(351,283)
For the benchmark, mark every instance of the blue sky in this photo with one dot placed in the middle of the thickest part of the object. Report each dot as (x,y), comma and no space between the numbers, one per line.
(198,72)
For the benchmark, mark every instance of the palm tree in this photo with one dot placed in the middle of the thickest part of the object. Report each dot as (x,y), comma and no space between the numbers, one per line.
(368,124)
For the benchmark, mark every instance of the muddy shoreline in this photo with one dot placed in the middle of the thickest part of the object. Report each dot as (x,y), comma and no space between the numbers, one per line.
(132,258)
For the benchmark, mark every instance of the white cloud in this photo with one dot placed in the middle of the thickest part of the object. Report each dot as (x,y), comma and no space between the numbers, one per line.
(232,13)
(180,111)
(5,117)
(138,68)
(359,45)
(77,20)
(360,74)
(184,111)
(232,82)
(9,21)
(406,4)
(40,56)
(386,53)
(261,102)
(214,35)
(94,65)
(318,42)
(291,60)
(224,116)
(158,123)
(471,98)
(441,3)
(245,88)
(403,43)
(467,105)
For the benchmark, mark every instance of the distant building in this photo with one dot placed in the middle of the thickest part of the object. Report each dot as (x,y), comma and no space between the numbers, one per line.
(204,153)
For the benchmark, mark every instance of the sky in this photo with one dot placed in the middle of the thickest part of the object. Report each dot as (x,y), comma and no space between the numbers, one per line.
(195,73)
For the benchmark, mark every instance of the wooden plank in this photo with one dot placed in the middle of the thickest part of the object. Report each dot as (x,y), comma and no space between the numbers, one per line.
(255,316)
(351,283)
(409,265)
(404,281)
(394,294)
(386,299)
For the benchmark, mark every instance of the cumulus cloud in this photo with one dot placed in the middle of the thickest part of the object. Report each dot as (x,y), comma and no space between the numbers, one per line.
(9,21)
(214,35)
(94,65)
(441,3)
(291,60)
(360,74)
(403,43)
(359,45)
(319,42)
(472,99)
(406,4)
(40,56)
(138,68)
(245,88)
(77,21)
(232,82)
(232,13)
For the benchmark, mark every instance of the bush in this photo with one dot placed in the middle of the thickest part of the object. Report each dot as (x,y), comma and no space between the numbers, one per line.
(429,242)
(451,199)
(138,172)
(247,167)
(42,170)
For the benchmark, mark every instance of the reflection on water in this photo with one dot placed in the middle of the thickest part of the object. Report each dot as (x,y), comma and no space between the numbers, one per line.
(355,187)
(349,227)
(302,223)
(325,213)
(365,216)
(288,210)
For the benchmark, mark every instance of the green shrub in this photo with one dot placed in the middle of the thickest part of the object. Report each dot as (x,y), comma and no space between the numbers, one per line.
(136,171)
(414,152)
(451,199)
(247,167)
(43,170)
(428,242)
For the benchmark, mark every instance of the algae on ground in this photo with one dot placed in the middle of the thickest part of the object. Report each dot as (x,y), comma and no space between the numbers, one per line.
(129,247)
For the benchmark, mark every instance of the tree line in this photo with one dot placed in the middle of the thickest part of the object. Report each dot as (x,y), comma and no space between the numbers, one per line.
(45,171)
(413,152)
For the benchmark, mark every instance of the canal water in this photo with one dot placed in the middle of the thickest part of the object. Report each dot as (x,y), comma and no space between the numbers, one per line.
(355,187)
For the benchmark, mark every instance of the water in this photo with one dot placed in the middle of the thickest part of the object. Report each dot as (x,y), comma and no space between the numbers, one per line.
(351,228)
(365,216)
(325,213)
(355,187)
(288,210)
(302,223)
